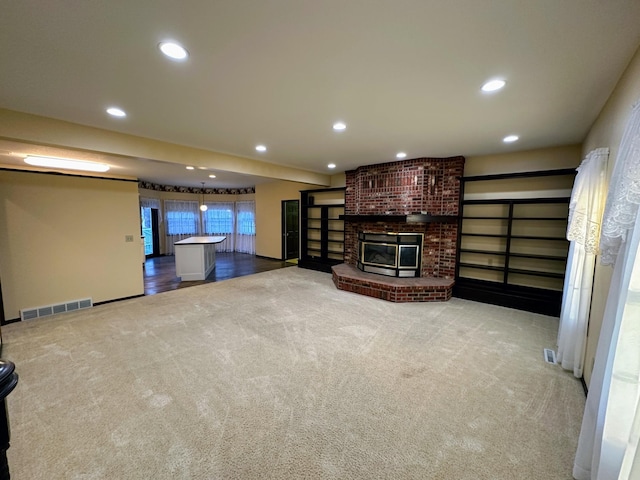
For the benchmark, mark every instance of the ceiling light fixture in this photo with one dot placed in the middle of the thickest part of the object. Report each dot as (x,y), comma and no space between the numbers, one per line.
(261,148)
(116,112)
(173,50)
(510,138)
(189,167)
(212,176)
(331,165)
(493,85)
(401,155)
(66,163)
(339,126)
(203,207)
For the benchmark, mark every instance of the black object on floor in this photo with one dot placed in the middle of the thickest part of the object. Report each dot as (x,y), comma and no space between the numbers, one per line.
(8,381)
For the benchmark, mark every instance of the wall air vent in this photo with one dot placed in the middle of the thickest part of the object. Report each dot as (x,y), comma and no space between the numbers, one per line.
(46,310)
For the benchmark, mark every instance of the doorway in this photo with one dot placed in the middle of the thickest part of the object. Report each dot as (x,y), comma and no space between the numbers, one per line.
(290,229)
(149,222)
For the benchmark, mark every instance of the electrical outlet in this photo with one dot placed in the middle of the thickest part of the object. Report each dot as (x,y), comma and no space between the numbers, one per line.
(128,238)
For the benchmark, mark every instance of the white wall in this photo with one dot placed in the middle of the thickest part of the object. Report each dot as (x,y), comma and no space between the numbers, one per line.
(553,158)
(62,238)
(269,197)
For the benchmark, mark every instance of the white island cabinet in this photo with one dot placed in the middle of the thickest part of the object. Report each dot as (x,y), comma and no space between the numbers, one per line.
(196,257)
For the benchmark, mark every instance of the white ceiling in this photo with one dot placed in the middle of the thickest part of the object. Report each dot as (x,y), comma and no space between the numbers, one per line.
(403,74)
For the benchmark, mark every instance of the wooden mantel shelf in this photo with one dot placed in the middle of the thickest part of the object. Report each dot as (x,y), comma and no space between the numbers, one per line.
(411,218)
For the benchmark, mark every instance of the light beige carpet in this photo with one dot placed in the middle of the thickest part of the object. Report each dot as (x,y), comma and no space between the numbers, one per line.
(280,375)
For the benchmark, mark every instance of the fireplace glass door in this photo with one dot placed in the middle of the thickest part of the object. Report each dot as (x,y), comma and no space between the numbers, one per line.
(408,256)
(380,254)
(391,254)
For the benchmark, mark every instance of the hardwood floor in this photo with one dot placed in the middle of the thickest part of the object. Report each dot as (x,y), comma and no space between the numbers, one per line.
(160,272)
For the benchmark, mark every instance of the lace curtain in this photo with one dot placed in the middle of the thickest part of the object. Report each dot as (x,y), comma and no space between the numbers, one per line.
(608,443)
(182,220)
(150,203)
(587,201)
(583,230)
(245,236)
(236,221)
(624,194)
(218,220)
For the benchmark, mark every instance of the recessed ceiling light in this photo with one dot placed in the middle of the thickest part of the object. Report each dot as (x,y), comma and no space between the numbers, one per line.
(401,155)
(212,176)
(189,167)
(510,138)
(66,163)
(493,85)
(116,112)
(331,165)
(261,148)
(339,126)
(173,50)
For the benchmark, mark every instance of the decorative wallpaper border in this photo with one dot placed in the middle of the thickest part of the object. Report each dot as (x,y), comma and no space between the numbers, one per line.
(198,190)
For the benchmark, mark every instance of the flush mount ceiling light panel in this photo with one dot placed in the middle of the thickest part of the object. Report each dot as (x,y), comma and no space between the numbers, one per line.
(401,155)
(339,126)
(510,139)
(261,148)
(173,50)
(65,163)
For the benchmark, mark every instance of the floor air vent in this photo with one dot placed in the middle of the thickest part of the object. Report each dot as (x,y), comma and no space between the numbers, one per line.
(550,356)
(45,311)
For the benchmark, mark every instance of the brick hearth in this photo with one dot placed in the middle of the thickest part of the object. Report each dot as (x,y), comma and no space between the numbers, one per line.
(420,186)
(418,289)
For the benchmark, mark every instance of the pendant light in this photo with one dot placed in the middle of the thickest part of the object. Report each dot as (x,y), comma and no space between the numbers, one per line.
(203,207)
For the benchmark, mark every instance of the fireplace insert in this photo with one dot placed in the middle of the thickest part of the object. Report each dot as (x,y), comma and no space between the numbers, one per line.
(391,254)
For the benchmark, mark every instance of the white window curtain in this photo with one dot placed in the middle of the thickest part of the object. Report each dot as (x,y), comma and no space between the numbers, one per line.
(182,220)
(146,202)
(608,443)
(218,220)
(245,236)
(583,231)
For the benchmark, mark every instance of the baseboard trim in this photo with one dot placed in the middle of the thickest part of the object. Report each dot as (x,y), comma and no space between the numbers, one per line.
(11,320)
(118,299)
(269,258)
(14,320)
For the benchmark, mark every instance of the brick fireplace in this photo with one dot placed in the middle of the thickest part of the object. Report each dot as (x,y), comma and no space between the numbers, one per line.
(419,196)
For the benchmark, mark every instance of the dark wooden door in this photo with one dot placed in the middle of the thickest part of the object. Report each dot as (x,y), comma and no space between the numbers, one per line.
(155,231)
(290,229)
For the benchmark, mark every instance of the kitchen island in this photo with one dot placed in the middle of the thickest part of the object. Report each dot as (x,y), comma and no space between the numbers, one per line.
(196,257)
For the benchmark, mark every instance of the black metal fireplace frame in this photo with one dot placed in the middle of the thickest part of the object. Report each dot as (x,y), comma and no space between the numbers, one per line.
(391,239)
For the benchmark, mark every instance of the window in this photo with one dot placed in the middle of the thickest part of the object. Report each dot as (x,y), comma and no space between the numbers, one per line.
(181,223)
(218,219)
(245,237)
(246,223)
(181,217)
